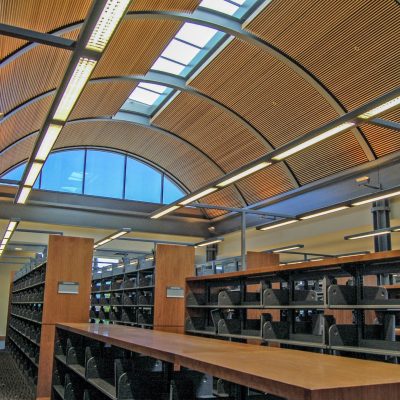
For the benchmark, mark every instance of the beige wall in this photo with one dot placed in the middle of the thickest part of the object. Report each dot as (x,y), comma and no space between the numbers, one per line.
(5,271)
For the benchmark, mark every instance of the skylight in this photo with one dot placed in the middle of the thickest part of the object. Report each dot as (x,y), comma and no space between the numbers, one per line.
(147,93)
(186,52)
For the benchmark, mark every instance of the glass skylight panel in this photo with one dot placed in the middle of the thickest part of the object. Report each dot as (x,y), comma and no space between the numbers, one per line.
(180,52)
(153,87)
(144,96)
(168,66)
(220,6)
(197,34)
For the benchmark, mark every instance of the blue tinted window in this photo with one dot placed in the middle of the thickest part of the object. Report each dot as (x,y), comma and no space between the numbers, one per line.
(63,172)
(171,191)
(143,183)
(16,173)
(104,174)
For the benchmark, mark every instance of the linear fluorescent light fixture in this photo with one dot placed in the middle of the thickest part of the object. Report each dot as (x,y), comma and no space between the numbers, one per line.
(314,140)
(353,254)
(276,224)
(164,212)
(23,195)
(7,235)
(324,212)
(243,174)
(108,21)
(286,248)
(208,242)
(111,237)
(316,259)
(48,141)
(33,173)
(368,234)
(376,197)
(380,109)
(77,82)
(197,196)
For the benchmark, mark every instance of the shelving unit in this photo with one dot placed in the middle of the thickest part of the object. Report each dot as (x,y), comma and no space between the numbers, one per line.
(41,295)
(135,294)
(310,297)
(124,294)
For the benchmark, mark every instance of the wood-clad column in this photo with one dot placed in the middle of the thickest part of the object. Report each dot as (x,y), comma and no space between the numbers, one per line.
(69,260)
(173,265)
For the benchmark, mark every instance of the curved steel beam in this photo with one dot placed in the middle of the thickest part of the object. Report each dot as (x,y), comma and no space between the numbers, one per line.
(144,121)
(234,28)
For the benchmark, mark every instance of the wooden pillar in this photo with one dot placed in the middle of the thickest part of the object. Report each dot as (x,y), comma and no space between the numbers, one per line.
(173,265)
(69,260)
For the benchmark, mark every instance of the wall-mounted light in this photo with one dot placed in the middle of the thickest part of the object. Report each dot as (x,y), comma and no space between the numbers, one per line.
(111,237)
(277,224)
(285,248)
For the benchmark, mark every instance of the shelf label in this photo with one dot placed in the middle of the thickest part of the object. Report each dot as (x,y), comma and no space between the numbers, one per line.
(175,292)
(68,287)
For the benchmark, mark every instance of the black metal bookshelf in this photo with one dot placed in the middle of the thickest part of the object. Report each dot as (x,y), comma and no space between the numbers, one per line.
(307,301)
(24,323)
(124,294)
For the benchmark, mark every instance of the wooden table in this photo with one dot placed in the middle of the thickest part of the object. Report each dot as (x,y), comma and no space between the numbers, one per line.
(292,374)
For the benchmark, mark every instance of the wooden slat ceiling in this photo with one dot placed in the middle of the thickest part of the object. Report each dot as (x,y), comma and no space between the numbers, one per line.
(383,141)
(278,102)
(226,197)
(212,130)
(39,15)
(166,5)
(349,45)
(33,73)
(102,99)
(326,158)
(266,183)
(192,169)
(15,154)
(135,46)
(24,121)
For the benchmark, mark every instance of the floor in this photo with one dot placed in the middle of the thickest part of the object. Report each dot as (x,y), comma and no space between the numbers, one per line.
(12,383)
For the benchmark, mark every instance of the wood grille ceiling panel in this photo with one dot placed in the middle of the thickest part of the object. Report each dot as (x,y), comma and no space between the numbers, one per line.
(34,72)
(353,52)
(278,102)
(226,197)
(210,129)
(102,99)
(266,183)
(26,120)
(186,165)
(326,158)
(15,154)
(393,116)
(383,141)
(135,46)
(39,15)
(167,5)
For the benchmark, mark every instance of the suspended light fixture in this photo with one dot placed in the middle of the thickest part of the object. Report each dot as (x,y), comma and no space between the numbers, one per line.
(277,224)
(380,109)
(111,237)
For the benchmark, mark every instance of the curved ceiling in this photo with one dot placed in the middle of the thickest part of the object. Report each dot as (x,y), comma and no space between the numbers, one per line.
(243,102)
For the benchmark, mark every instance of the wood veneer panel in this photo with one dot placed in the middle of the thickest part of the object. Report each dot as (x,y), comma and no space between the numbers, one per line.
(173,265)
(69,260)
(259,260)
(289,373)
(46,359)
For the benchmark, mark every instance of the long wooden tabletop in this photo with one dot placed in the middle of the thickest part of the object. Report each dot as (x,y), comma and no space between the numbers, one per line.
(306,265)
(292,374)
